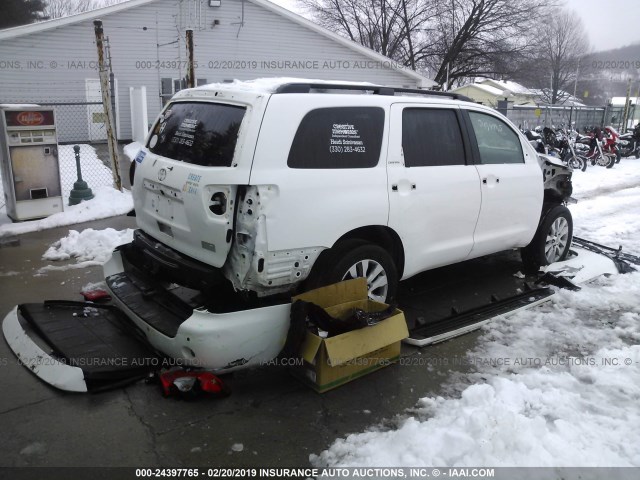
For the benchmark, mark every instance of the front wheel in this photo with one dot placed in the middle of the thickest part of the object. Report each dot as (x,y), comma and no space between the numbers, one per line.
(552,240)
(353,260)
(578,163)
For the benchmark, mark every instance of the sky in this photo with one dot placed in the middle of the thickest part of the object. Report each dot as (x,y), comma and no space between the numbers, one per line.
(609,24)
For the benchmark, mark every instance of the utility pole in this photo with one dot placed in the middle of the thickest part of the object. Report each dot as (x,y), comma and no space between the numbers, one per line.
(625,114)
(191,80)
(106,104)
(112,84)
(575,82)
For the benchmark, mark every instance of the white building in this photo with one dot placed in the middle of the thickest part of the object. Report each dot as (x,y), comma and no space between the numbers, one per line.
(55,61)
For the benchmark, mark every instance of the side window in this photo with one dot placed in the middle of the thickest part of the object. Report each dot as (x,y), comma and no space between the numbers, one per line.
(340,137)
(497,142)
(431,137)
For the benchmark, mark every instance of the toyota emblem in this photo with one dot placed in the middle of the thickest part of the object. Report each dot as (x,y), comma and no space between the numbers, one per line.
(162,174)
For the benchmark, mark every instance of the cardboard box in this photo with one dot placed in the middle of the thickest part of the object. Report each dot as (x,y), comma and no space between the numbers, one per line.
(331,362)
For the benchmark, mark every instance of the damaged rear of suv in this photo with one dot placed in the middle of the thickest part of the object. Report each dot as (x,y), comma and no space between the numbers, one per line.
(270,187)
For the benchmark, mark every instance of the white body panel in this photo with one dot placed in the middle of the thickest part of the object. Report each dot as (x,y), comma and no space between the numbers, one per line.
(313,207)
(434,209)
(512,196)
(55,373)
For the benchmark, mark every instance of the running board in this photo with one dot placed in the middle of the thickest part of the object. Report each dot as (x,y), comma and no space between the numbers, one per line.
(473,319)
(79,346)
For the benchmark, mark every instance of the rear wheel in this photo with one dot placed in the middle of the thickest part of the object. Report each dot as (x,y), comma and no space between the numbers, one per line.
(552,240)
(354,259)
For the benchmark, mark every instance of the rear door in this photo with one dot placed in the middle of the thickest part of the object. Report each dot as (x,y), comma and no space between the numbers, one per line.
(434,191)
(511,184)
(187,176)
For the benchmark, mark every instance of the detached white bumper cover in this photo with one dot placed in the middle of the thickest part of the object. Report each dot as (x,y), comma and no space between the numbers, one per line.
(221,342)
(47,368)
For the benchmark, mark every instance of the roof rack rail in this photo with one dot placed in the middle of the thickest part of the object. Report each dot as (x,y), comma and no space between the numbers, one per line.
(376,89)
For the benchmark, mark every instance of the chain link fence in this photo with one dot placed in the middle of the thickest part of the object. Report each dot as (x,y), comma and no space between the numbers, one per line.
(78,122)
(581,118)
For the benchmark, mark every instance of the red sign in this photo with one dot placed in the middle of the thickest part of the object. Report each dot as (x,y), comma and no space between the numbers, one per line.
(29,118)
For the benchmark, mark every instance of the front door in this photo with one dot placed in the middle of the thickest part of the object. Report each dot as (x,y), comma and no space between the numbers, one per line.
(510,183)
(434,190)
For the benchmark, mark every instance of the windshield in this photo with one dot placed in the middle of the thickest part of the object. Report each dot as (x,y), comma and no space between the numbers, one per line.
(197,132)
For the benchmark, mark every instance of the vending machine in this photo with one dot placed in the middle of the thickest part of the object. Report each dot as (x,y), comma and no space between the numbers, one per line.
(29,161)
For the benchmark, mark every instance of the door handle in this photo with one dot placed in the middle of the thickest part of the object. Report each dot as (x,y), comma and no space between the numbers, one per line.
(394,188)
(413,186)
(484,180)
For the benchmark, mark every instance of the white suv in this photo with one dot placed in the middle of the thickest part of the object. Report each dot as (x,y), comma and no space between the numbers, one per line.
(275,184)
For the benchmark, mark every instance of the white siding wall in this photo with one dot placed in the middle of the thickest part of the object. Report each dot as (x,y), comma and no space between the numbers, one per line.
(263,37)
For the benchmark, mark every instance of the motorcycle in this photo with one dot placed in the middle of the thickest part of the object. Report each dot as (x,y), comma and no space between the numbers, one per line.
(630,143)
(610,145)
(597,155)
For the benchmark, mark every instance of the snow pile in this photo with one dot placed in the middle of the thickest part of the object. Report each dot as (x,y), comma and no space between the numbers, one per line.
(89,247)
(546,395)
(108,202)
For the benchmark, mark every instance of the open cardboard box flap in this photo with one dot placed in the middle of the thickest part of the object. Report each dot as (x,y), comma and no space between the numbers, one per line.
(339,300)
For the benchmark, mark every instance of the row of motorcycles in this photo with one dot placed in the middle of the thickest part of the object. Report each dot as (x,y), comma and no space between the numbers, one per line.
(596,146)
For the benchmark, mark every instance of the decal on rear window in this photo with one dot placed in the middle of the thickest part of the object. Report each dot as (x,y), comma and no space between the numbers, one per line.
(200,133)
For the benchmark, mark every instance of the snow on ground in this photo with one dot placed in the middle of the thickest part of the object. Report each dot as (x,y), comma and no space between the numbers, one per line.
(94,171)
(558,385)
(108,202)
(99,179)
(89,247)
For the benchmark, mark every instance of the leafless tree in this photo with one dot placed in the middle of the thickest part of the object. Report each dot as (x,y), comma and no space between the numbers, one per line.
(448,39)
(563,43)
(385,26)
(64,8)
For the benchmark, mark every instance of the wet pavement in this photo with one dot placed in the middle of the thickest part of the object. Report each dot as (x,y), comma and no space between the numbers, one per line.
(278,421)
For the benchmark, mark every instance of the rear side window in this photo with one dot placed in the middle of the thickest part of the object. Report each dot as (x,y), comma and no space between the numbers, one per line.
(431,137)
(199,133)
(342,137)
(497,142)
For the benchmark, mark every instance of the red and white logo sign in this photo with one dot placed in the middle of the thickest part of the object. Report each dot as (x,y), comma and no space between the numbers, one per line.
(30,119)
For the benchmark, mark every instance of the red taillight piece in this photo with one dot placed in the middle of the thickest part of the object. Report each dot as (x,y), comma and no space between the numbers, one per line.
(181,382)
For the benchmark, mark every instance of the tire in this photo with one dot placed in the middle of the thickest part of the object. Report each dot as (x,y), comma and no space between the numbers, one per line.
(577,163)
(552,240)
(355,258)
(612,161)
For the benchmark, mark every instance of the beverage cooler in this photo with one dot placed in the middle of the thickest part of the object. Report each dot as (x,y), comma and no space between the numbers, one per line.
(29,161)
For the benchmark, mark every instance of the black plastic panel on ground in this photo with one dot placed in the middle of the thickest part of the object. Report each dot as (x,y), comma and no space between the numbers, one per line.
(158,308)
(98,339)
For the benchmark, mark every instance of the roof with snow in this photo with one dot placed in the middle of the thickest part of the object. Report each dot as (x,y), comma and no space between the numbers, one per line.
(485,88)
(99,12)
(513,87)
(620,101)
